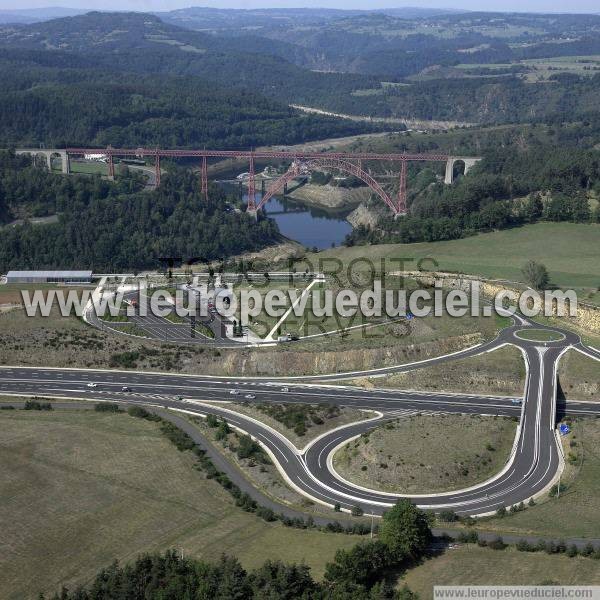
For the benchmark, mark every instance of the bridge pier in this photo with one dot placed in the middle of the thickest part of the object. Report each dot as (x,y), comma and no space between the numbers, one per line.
(253,212)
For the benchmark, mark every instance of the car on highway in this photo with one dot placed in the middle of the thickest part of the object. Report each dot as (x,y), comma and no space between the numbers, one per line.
(285,389)
(516,401)
(125,389)
(234,392)
(91,384)
(250,396)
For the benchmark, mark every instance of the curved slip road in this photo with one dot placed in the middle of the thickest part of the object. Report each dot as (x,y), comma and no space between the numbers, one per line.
(534,464)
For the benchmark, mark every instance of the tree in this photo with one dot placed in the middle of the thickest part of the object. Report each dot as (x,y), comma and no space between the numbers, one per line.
(532,208)
(535,274)
(278,580)
(405,530)
(362,564)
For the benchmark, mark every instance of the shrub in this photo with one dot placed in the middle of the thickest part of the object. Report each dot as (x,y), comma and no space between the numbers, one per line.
(266,513)
(448,516)
(555,490)
(142,413)
(587,550)
(524,546)
(126,360)
(35,405)
(248,448)
(179,438)
(468,537)
(497,544)
(223,430)
(572,551)
(212,421)
(107,407)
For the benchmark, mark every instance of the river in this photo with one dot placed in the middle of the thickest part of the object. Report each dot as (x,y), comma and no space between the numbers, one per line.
(312,227)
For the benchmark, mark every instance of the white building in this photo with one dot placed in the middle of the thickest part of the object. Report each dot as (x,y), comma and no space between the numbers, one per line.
(49,277)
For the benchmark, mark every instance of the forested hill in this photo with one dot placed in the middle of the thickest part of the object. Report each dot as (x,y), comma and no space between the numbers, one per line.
(111,227)
(374,65)
(130,79)
(143,43)
(58,98)
(526,175)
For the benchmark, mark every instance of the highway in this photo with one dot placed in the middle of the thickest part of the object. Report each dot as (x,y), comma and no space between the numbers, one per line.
(534,464)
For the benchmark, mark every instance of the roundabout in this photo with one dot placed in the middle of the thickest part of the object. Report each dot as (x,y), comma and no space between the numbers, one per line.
(539,335)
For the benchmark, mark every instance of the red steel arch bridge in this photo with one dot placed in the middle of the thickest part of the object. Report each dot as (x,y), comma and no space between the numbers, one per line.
(300,163)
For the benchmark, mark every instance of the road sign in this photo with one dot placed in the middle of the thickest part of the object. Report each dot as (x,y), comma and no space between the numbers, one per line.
(564,429)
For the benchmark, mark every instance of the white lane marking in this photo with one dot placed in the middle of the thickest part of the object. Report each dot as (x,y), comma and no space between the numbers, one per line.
(264,437)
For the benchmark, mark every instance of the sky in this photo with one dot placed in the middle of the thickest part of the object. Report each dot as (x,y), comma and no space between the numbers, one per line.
(582,6)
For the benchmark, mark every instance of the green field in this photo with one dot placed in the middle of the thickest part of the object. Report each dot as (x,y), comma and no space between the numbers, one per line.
(80,488)
(471,565)
(428,453)
(540,69)
(569,251)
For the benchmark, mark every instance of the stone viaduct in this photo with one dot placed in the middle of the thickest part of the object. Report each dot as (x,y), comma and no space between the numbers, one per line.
(48,154)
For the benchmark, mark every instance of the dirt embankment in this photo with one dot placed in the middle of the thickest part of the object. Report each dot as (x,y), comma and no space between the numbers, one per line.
(277,362)
(58,342)
(367,215)
(330,196)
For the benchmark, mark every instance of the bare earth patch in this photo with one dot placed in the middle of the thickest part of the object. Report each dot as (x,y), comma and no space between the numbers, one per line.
(428,453)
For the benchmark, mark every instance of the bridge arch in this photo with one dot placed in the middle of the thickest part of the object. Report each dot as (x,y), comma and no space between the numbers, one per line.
(45,156)
(467,162)
(299,167)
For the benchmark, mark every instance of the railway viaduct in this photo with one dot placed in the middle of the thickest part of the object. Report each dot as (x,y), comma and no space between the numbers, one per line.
(300,163)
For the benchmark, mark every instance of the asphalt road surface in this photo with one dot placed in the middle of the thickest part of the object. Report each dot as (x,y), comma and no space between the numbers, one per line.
(535,463)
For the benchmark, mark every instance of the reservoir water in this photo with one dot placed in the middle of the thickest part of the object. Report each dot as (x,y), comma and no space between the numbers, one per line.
(309,226)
